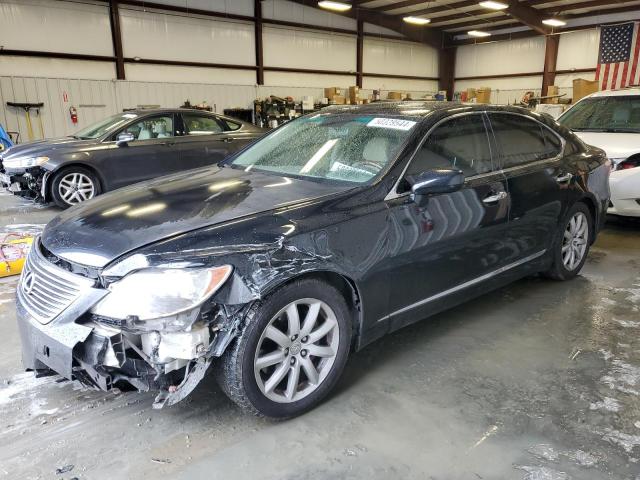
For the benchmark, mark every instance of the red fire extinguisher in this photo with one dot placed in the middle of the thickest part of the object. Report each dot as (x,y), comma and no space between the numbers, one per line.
(74,114)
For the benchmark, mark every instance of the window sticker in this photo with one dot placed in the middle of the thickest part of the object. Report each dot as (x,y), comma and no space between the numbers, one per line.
(392,123)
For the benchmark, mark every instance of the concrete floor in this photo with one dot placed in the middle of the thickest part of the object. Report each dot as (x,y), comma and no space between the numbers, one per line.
(538,381)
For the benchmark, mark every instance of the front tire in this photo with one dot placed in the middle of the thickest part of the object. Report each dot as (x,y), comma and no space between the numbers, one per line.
(74,185)
(572,243)
(291,352)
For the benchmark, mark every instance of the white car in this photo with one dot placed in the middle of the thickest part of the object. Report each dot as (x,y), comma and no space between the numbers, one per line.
(611,120)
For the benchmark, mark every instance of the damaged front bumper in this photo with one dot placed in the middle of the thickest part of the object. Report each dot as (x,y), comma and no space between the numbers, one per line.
(102,357)
(30,183)
(81,346)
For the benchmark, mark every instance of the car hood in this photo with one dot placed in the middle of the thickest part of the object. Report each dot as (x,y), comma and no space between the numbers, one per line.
(616,145)
(45,147)
(99,231)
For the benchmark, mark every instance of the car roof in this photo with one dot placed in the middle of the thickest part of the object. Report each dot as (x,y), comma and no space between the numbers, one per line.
(420,109)
(144,111)
(622,92)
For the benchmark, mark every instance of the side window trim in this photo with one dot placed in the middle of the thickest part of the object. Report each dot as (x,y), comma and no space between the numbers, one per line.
(393,193)
(542,161)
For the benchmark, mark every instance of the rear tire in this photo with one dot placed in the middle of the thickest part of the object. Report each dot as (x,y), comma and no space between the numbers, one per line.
(284,362)
(572,242)
(74,185)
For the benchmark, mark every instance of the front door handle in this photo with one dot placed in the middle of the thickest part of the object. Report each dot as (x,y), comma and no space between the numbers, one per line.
(491,199)
(564,178)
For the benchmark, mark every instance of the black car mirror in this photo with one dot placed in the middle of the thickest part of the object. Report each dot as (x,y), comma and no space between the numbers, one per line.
(438,181)
(123,139)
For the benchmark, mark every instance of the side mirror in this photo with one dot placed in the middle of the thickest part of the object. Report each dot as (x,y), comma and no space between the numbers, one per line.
(123,139)
(433,182)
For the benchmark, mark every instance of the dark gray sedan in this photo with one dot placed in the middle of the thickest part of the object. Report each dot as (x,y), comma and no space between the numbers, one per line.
(120,150)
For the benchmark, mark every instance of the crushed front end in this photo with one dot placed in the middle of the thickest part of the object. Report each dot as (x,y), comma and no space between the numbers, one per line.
(29,183)
(72,323)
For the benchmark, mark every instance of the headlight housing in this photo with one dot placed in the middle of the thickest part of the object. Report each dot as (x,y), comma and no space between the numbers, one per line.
(161,298)
(24,162)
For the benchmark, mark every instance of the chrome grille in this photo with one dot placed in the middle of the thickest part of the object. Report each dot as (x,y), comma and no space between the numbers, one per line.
(46,290)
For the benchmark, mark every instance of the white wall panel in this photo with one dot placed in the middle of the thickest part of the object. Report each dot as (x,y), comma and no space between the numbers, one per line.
(289,79)
(173,37)
(68,27)
(96,99)
(504,90)
(294,12)
(288,47)
(237,7)
(54,67)
(370,28)
(135,94)
(496,58)
(578,49)
(167,73)
(399,58)
(399,84)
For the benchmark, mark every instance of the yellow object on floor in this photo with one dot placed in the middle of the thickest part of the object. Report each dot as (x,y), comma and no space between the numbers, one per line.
(13,253)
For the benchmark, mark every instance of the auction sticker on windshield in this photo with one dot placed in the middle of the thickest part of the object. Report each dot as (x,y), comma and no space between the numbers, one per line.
(393,123)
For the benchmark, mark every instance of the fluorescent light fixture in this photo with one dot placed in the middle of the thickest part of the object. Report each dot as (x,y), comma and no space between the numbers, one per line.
(554,22)
(478,33)
(493,5)
(335,6)
(416,20)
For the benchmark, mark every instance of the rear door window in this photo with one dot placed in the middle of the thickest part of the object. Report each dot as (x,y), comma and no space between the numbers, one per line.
(522,140)
(195,124)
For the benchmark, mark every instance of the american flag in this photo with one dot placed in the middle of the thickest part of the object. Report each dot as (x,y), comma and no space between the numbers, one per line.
(618,56)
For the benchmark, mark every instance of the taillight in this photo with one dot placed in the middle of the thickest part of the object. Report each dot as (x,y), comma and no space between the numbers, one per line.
(629,163)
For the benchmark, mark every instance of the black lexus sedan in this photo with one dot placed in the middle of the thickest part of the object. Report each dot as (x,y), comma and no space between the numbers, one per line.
(330,232)
(120,150)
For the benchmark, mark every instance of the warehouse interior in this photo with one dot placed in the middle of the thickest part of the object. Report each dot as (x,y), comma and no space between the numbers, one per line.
(536,380)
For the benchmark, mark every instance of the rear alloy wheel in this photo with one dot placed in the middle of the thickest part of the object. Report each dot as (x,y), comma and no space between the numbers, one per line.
(571,247)
(291,352)
(73,186)
(574,241)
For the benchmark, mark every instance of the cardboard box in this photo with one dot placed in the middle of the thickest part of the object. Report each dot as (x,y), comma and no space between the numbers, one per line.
(332,91)
(337,100)
(582,88)
(483,95)
(354,94)
(394,96)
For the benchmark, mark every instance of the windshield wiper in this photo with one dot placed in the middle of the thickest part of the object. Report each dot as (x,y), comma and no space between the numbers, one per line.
(622,130)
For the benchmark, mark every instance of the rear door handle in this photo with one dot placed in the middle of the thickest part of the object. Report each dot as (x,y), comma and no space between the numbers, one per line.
(495,198)
(227,139)
(564,178)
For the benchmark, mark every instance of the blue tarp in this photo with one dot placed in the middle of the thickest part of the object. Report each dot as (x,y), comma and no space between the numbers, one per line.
(5,140)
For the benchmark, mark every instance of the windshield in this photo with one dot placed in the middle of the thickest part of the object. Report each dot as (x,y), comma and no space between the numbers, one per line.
(98,129)
(347,148)
(604,114)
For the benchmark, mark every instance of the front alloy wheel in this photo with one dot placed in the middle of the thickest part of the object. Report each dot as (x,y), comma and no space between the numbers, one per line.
(291,351)
(74,185)
(296,350)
